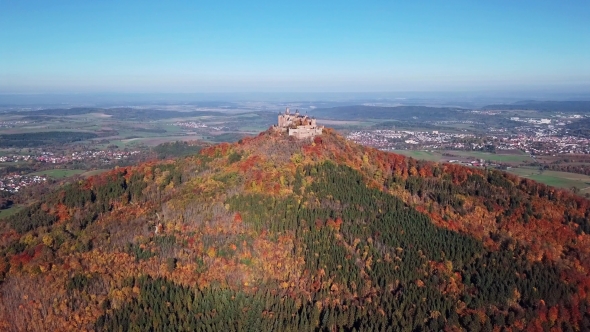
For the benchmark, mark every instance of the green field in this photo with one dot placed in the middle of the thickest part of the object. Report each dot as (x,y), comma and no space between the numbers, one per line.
(552,178)
(59,173)
(123,143)
(126,131)
(502,158)
(10,211)
(94,172)
(424,155)
(171,129)
(555,179)
(466,156)
(13,163)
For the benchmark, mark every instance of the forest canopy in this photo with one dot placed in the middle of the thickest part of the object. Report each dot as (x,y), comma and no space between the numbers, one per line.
(272,233)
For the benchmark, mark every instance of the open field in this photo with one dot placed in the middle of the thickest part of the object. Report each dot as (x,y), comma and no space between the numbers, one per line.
(494,157)
(124,143)
(465,156)
(12,163)
(59,173)
(569,159)
(94,172)
(553,178)
(10,211)
(153,141)
(136,127)
(425,155)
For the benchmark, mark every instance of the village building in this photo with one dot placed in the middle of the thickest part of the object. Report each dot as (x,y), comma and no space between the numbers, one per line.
(297,125)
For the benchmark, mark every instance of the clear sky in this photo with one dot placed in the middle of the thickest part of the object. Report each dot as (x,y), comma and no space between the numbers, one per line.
(242,46)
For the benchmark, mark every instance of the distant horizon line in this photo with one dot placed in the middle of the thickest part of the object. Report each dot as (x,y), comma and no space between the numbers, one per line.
(409,97)
(302,92)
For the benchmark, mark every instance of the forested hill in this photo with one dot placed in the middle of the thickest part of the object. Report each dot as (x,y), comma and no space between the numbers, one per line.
(273,233)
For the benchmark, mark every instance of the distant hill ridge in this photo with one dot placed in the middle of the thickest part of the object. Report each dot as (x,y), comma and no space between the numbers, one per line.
(362,112)
(551,106)
(122,113)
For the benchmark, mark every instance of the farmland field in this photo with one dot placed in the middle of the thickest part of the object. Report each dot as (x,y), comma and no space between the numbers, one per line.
(553,178)
(59,173)
(425,155)
(465,156)
(10,211)
(502,158)
(94,172)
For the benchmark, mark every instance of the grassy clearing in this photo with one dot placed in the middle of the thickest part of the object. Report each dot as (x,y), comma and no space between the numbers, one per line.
(552,178)
(127,142)
(122,143)
(44,129)
(10,211)
(466,156)
(13,163)
(252,128)
(59,173)
(503,158)
(555,179)
(94,172)
(159,140)
(171,129)
(424,155)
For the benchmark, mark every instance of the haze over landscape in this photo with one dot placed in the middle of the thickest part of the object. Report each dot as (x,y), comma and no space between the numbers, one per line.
(294,166)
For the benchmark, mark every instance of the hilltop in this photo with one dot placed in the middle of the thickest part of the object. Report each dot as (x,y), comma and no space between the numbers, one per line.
(275,233)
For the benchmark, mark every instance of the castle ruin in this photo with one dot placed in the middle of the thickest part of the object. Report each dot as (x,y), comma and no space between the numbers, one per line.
(297,125)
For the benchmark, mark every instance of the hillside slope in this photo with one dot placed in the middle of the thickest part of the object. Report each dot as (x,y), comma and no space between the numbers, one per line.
(272,233)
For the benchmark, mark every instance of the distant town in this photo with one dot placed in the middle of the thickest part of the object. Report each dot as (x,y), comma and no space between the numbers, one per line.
(14,183)
(197,125)
(537,137)
(104,156)
(38,147)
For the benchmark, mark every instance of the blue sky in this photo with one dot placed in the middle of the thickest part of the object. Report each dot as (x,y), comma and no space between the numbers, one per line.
(282,46)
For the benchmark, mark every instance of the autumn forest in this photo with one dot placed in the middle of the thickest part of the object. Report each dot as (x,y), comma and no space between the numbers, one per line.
(273,234)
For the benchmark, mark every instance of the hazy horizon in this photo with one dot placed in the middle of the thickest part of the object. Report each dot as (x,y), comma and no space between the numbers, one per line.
(459,99)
